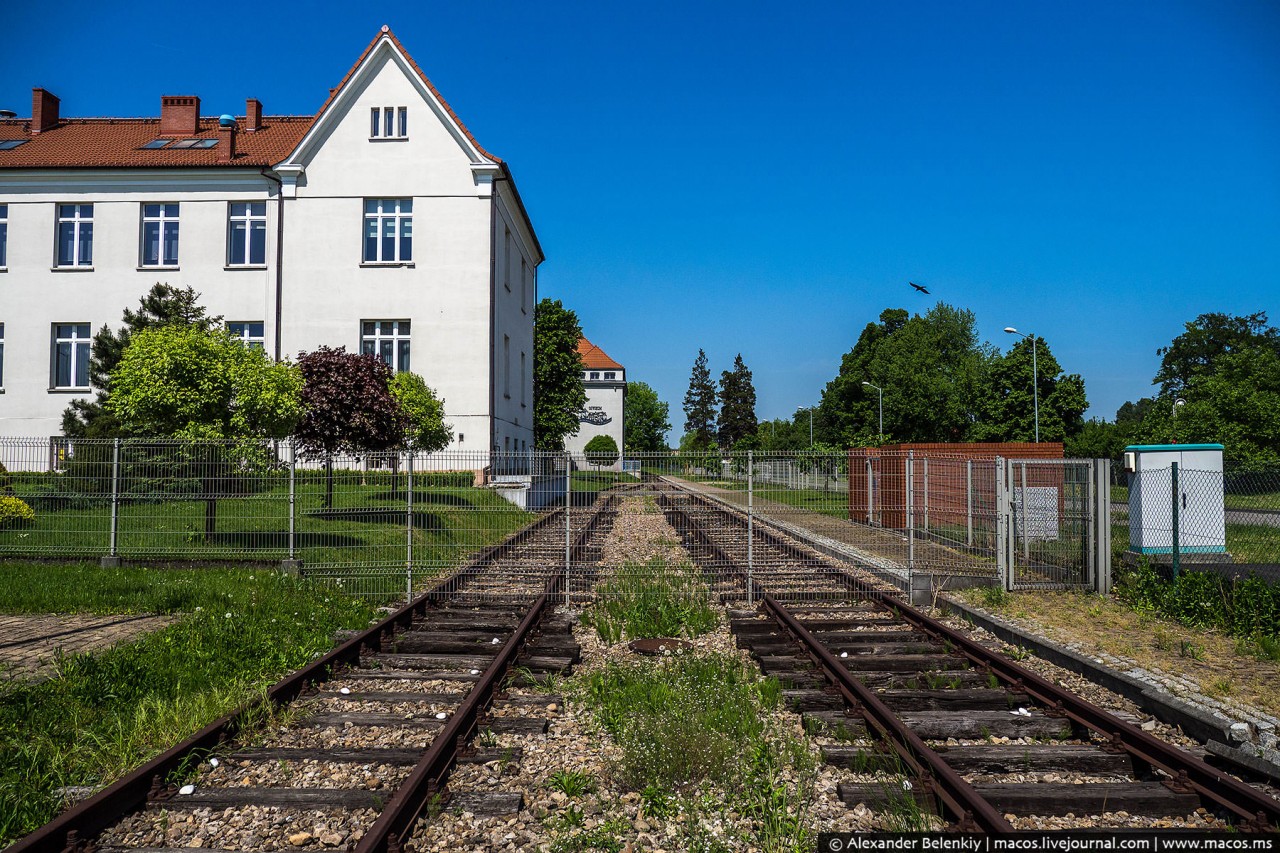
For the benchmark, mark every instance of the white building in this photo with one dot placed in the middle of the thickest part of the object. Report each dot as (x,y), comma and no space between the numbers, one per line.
(379,224)
(605,382)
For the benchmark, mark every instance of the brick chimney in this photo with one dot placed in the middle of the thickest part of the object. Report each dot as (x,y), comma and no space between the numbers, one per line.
(226,143)
(44,111)
(179,115)
(252,115)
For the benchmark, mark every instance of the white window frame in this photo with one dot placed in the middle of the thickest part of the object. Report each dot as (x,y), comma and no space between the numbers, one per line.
(523,374)
(4,236)
(162,220)
(506,367)
(387,210)
(77,220)
(611,375)
(388,123)
(244,334)
(401,332)
(76,342)
(249,219)
(524,285)
(595,375)
(1,356)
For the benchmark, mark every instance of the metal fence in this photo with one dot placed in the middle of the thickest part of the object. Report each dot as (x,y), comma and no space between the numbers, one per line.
(1178,517)
(385,524)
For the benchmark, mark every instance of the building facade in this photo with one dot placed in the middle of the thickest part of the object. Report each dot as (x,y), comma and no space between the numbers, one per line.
(379,224)
(605,382)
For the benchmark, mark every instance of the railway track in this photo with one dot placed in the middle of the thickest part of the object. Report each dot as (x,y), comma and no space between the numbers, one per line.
(917,710)
(371,730)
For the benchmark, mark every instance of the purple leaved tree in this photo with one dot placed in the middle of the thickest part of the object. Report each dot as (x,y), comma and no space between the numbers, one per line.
(347,408)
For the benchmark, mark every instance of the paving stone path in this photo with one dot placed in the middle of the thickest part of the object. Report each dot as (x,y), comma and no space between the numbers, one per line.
(29,644)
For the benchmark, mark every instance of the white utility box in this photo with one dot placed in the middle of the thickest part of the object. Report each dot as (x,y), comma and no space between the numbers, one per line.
(1201,518)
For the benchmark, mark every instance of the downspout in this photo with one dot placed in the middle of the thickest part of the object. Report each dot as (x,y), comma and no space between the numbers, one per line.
(279,259)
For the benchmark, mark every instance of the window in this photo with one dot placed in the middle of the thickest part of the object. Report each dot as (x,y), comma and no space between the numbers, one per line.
(389,122)
(524,286)
(595,374)
(4,236)
(156,143)
(506,261)
(10,144)
(506,366)
(388,340)
(249,333)
(247,234)
(523,373)
(71,355)
(160,235)
(611,376)
(75,235)
(1,355)
(388,230)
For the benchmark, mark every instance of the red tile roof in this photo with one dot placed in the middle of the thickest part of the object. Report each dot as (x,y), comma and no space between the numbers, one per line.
(594,358)
(88,143)
(116,142)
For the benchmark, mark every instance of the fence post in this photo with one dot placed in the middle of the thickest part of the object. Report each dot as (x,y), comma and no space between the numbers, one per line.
(1102,526)
(751,471)
(968,502)
(292,565)
(871,493)
(112,560)
(408,519)
(568,494)
(1177,521)
(1022,506)
(1004,551)
(911,517)
(926,494)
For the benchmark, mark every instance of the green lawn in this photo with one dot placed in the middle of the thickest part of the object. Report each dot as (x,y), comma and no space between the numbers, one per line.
(238,630)
(366,525)
(595,481)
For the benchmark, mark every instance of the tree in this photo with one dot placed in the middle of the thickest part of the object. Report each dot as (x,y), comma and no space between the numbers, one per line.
(737,404)
(1097,439)
(601,450)
(347,407)
(645,420)
(1207,339)
(700,405)
(1007,408)
(188,382)
(162,305)
(425,429)
(932,368)
(558,394)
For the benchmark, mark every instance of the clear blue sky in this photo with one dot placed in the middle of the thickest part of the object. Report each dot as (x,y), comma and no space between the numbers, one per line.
(766,178)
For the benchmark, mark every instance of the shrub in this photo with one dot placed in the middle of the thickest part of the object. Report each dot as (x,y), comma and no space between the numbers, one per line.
(601,450)
(6,481)
(14,512)
(1243,607)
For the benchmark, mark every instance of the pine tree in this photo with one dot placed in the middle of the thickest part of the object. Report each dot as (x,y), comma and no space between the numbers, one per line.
(700,404)
(737,404)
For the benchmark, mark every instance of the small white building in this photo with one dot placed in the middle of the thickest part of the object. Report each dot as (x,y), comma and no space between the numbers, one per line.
(605,382)
(379,224)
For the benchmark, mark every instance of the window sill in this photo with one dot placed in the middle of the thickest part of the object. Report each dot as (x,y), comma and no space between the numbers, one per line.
(232,267)
(4,269)
(71,269)
(388,139)
(158,268)
(84,390)
(409,264)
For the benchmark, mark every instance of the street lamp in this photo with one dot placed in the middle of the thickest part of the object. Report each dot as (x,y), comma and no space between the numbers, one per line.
(881,390)
(1035,379)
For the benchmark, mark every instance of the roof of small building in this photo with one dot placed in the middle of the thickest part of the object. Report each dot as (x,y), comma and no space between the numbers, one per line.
(87,143)
(594,358)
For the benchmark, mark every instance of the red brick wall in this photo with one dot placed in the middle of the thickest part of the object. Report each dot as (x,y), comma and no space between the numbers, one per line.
(946,466)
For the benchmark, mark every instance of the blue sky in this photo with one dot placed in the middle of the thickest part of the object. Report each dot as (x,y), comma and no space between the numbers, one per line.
(766,178)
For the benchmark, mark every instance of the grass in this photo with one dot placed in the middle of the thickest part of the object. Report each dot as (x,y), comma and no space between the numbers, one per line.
(102,714)
(697,727)
(366,525)
(595,481)
(652,599)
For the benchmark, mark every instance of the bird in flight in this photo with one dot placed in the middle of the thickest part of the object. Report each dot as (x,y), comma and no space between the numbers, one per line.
(919,287)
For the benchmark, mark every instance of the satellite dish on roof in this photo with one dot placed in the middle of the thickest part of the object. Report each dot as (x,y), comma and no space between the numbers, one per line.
(226,120)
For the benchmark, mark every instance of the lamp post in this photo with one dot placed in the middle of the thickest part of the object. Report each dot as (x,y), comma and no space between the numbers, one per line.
(1035,379)
(881,390)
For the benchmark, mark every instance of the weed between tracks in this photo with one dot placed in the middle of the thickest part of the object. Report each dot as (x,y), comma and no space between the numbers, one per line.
(652,599)
(100,715)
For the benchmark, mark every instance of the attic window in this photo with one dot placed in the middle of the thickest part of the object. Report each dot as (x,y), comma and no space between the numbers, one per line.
(156,143)
(389,123)
(194,143)
(10,144)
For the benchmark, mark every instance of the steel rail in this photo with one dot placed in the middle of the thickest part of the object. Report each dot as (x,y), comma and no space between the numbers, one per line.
(83,821)
(971,810)
(425,786)
(1256,810)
